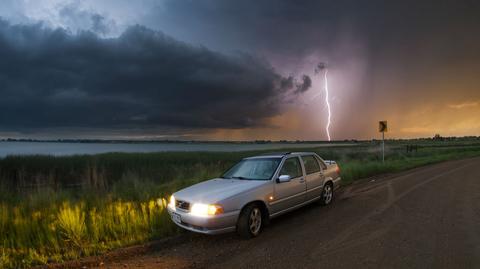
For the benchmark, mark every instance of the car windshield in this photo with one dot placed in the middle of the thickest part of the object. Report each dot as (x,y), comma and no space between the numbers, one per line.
(253,169)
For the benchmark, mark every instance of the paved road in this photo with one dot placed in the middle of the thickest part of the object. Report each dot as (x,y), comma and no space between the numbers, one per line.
(423,218)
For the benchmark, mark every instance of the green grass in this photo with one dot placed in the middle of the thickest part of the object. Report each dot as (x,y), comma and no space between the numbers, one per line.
(54,209)
(355,169)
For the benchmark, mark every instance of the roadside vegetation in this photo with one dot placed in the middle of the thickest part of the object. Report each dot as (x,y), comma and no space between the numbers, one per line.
(57,208)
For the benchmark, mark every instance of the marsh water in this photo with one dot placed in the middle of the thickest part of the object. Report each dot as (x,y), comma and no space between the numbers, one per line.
(72,148)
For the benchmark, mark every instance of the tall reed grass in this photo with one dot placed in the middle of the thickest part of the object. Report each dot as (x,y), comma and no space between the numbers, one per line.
(71,230)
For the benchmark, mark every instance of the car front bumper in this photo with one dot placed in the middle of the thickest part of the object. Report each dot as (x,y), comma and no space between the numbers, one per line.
(223,223)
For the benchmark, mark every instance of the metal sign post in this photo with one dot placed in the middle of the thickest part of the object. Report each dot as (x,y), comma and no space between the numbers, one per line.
(383,127)
(383,147)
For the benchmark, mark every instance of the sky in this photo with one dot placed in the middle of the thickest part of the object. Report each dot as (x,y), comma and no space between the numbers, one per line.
(238,70)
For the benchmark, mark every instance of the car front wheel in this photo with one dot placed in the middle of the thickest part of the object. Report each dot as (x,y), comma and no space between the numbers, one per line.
(250,221)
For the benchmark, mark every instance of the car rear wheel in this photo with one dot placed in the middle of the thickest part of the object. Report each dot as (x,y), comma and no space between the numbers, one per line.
(327,194)
(250,222)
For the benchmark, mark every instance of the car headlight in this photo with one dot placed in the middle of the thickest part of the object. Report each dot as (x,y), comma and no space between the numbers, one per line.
(171,203)
(199,209)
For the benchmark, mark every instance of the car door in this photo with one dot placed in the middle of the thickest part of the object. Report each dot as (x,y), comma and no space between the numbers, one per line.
(314,177)
(291,193)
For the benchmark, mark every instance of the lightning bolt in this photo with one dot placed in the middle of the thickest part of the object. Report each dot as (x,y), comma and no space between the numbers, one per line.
(323,66)
(327,128)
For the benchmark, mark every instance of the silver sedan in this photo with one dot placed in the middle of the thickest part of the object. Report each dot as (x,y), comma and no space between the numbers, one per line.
(253,191)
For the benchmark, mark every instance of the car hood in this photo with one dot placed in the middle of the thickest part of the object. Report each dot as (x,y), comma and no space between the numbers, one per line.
(216,190)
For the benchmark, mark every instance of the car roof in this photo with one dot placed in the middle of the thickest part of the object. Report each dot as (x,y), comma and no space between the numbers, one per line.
(280,154)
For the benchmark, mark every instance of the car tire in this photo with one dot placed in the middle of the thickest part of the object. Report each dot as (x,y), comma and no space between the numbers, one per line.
(250,222)
(326,197)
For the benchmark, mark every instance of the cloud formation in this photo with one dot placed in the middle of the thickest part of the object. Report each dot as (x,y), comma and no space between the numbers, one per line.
(304,85)
(383,58)
(463,105)
(143,78)
(72,14)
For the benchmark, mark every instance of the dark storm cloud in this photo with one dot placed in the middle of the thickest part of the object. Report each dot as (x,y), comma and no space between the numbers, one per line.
(384,56)
(98,24)
(143,78)
(320,67)
(71,14)
(302,27)
(304,85)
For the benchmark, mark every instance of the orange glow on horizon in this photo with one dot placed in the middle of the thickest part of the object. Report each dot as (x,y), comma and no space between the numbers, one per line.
(447,119)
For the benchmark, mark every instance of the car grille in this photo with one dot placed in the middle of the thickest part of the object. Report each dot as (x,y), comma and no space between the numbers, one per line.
(182,205)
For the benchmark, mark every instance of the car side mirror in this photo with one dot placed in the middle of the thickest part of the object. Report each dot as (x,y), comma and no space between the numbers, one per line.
(284,178)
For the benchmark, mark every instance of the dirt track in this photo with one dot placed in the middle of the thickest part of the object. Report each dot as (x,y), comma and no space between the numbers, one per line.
(423,218)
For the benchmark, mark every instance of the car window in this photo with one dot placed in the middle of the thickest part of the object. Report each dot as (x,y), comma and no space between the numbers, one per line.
(311,164)
(291,167)
(322,164)
(253,169)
